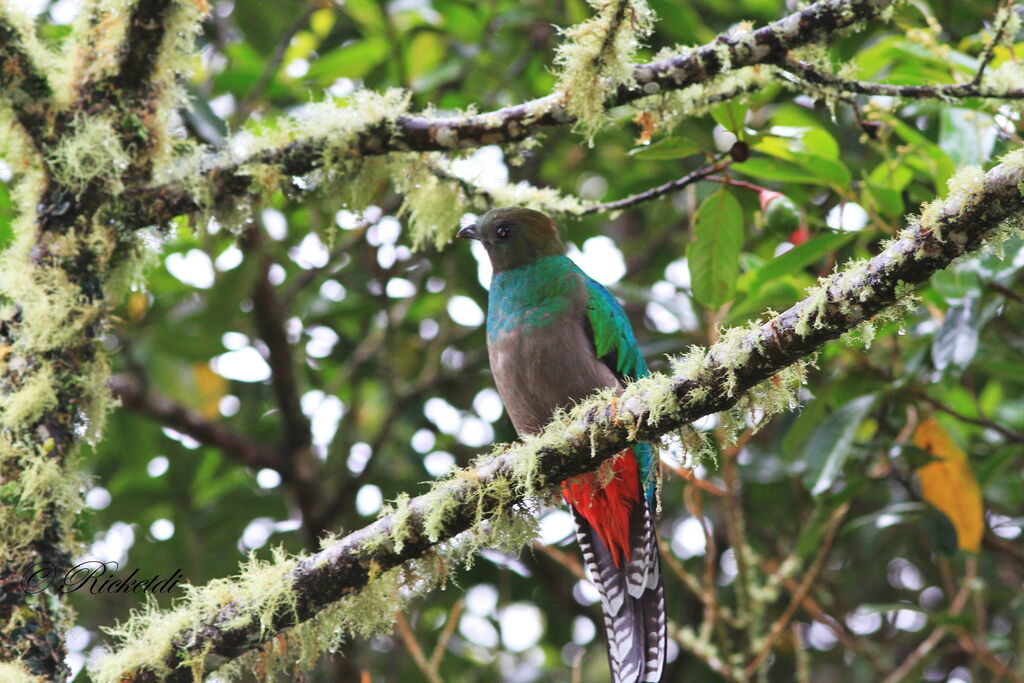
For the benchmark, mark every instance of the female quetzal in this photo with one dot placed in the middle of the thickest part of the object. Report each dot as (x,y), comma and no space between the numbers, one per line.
(554,336)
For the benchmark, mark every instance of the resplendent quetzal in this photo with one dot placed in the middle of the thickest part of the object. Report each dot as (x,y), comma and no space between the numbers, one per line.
(554,336)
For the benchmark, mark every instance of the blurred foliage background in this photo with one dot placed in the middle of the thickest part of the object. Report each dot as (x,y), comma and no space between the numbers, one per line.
(389,384)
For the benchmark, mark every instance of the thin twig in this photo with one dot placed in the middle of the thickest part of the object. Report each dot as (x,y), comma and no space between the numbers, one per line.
(563,558)
(1010,434)
(929,643)
(655,192)
(273,63)
(990,48)
(972,646)
(808,73)
(803,674)
(736,528)
(708,656)
(738,183)
(413,646)
(801,592)
(687,475)
(446,633)
(678,569)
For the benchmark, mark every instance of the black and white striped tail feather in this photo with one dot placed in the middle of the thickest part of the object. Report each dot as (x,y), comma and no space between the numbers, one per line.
(632,598)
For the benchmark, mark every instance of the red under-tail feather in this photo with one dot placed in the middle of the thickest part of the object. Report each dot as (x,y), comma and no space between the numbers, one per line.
(608,508)
(616,533)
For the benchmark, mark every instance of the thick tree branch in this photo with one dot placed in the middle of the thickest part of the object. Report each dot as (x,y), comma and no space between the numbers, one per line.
(60,278)
(132,80)
(225,182)
(135,396)
(23,86)
(599,429)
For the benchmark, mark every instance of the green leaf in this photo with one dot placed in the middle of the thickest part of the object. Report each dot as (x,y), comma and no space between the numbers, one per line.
(801,429)
(930,159)
(830,444)
(426,50)
(818,142)
(941,532)
(351,61)
(956,342)
(263,22)
(463,22)
(714,254)
(956,283)
(795,259)
(891,175)
(885,199)
(966,135)
(777,170)
(830,170)
(666,148)
(775,294)
(731,115)
(368,14)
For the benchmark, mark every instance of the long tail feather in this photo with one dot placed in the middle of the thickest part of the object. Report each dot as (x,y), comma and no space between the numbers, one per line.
(632,597)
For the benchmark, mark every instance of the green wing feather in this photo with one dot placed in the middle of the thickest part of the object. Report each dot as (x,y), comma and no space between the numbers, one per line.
(613,335)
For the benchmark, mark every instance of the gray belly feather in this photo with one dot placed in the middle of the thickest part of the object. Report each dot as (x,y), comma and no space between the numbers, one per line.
(548,368)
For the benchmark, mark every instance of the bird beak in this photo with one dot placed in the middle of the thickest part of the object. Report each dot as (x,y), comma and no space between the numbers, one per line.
(468,233)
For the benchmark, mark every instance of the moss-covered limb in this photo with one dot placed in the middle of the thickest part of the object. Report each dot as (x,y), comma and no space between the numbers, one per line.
(135,396)
(225,181)
(129,63)
(755,367)
(24,86)
(70,259)
(52,394)
(596,59)
(816,23)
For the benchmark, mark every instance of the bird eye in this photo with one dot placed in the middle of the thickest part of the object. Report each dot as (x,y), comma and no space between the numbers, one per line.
(503,232)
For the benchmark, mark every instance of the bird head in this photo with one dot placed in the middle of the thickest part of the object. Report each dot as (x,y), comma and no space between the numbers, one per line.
(515,236)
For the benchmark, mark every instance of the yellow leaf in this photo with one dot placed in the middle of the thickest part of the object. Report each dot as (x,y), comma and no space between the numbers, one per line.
(210,388)
(949,484)
(322,22)
(138,302)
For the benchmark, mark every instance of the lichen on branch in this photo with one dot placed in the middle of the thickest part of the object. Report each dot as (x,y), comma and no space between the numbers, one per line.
(596,59)
(208,180)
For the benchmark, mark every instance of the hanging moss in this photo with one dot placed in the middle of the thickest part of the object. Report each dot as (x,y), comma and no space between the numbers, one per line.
(596,58)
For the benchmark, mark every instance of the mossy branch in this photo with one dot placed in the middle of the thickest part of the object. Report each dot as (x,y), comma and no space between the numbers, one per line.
(223,183)
(24,87)
(758,366)
(96,126)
